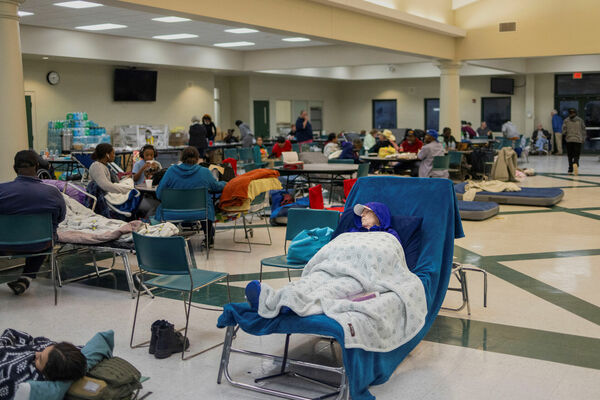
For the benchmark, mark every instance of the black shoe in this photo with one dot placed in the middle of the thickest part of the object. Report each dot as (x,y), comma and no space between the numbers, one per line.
(19,286)
(169,342)
(154,334)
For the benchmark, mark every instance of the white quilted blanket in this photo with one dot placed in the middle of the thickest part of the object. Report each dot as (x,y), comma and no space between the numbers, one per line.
(351,265)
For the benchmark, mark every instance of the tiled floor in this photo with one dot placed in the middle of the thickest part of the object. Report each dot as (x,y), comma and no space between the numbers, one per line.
(539,337)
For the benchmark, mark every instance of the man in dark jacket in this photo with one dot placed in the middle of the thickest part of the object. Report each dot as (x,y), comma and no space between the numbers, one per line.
(198,136)
(304,132)
(28,195)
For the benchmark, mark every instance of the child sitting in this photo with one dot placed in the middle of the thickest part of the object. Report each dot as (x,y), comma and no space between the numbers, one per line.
(147,166)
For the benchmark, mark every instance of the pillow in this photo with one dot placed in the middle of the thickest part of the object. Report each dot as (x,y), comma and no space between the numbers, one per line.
(95,350)
(407,227)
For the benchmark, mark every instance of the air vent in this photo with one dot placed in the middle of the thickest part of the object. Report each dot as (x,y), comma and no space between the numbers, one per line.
(508,27)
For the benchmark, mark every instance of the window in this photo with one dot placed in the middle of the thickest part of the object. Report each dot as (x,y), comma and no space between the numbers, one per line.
(495,111)
(384,114)
(432,114)
(565,85)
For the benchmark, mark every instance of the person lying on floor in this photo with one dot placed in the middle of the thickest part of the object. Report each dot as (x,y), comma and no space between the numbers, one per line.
(361,280)
(24,358)
(28,195)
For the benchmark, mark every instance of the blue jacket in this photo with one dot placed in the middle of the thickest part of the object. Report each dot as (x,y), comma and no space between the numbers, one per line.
(385,220)
(303,134)
(557,123)
(185,176)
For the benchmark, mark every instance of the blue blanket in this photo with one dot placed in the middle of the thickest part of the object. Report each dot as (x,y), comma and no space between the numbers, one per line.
(433,200)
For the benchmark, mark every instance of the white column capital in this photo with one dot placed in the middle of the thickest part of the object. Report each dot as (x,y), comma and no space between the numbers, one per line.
(9,8)
(449,67)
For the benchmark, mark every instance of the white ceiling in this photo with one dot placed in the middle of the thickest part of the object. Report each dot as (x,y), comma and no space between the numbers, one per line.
(140,25)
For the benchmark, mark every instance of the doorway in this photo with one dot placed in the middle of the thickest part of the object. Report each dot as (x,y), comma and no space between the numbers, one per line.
(432,114)
(261,119)
(28,113)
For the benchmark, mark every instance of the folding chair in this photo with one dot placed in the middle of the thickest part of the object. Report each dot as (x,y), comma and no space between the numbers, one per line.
(182,203)
(169,258)
(455,163)
(460,273)
(246,159)
(231,153)
(363,170)
(28,230)
(300,219)
(441,163)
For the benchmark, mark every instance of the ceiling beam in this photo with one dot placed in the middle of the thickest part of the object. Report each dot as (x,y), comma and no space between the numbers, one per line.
(306,18)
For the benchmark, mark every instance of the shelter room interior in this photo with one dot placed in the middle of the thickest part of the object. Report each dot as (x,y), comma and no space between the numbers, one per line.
(353,199)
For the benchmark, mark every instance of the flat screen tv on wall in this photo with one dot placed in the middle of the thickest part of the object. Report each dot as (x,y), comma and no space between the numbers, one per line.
(502,86)
(134,85)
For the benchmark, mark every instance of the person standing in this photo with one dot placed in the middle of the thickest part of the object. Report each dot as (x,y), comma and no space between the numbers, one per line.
(304,132)
(557,124)
(574,131)
(211,129)
(247,136)
(198,136)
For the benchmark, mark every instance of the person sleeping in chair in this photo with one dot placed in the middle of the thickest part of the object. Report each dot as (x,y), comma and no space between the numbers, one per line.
(361,280)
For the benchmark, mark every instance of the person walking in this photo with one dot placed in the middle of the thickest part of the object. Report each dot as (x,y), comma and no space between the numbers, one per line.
(574,131)
(557,124)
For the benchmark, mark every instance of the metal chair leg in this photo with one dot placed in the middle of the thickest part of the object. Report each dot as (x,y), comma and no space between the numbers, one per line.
(260,273)
(187,322)
(53,275)
(289,276)
(137,303)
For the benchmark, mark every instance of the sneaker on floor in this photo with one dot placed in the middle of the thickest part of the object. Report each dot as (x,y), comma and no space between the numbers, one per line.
(575,169)
(19,286)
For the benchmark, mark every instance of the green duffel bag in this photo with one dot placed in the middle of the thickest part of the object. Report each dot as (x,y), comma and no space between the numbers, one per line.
(121,382)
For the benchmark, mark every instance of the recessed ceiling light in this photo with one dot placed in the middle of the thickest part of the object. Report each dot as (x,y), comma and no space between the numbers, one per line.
(296,39)
(234,44)
(171,19)
(175,36)
(241,30)
(100,27)
(24,13)
(78,4)
(44,58)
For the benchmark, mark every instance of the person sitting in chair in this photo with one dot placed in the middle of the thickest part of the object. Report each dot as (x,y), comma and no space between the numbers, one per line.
(190,175)
(282,145)
(332,145)
(541,140)
(106,180)
(431,149)
(28,195)
(24,358)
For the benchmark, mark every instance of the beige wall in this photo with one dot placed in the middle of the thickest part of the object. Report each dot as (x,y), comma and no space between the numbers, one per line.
(544,100)
(273,88)
(239,94)
(544,28)
(356,97)
(88,87)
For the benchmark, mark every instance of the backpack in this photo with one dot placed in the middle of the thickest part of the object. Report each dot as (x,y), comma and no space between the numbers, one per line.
(478,159)
(112,379)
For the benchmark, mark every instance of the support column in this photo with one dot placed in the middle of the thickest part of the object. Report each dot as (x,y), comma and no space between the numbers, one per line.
(13,133)
(530,117)
(450,96)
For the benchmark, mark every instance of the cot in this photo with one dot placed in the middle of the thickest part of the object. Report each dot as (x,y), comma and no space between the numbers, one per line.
(477,210)
(543,197)
(434,201)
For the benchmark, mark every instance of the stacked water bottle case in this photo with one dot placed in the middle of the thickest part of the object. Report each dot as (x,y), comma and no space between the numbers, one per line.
(75,133)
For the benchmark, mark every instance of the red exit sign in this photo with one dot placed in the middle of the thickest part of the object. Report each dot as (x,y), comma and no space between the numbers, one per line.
(577,75)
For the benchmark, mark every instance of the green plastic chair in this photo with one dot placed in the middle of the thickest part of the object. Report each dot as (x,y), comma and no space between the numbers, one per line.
(246,155)
(300,219)
(169,259)
(363,170)
(441,163)
(231,153)
(186,201)
(455,162)
(296,147)
(340,161)
(28,230)
(257,158)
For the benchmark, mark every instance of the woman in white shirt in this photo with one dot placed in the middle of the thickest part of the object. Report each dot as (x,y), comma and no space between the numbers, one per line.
(101,174)
(332,145)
